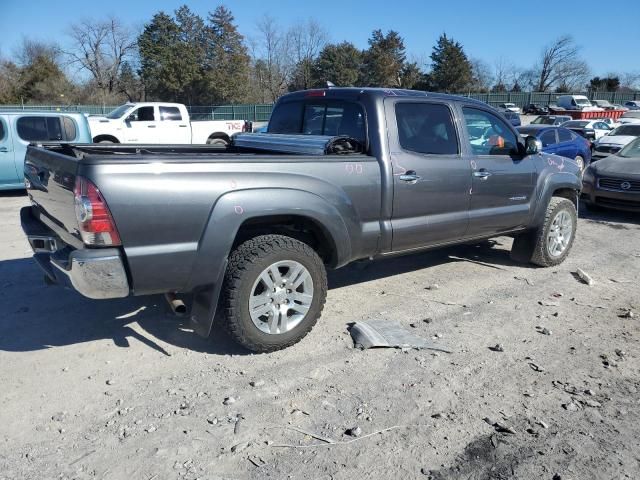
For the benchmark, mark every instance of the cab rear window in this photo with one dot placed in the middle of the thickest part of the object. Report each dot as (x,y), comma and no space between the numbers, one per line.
(321,118)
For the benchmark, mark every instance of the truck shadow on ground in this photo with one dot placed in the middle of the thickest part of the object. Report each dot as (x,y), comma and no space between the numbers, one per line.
(36,317)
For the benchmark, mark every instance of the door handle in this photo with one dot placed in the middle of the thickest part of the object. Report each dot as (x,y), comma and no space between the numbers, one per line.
(482,174)
(151,126)
(4,149)
(182,125)
(410,177)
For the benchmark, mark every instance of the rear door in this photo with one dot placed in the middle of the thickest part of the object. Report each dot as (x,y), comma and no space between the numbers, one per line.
(431,180)
(172,128)
(141,126)
(502,179)
(549,139)
(9,173)
(567,146)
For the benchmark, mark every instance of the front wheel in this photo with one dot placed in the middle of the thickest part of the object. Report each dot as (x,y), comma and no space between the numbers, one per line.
(275,290)
(550,244)
(580,161)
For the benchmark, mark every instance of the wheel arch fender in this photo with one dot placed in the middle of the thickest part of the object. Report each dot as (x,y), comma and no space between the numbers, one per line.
(563,184)
(229,213)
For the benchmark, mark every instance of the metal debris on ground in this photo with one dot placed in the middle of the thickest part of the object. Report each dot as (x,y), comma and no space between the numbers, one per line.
(497,348)
(380,333)
(626,313)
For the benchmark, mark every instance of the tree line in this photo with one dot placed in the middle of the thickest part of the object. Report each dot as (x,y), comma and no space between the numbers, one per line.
(197,60)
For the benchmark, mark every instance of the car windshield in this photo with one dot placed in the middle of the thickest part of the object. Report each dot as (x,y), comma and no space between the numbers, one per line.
(628,130)
(575,124)
(582,101)
(118,112)
(602,102)
(544,120)
(632,150)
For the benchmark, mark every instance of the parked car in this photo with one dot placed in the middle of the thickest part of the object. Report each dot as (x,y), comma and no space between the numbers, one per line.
(612,122)
(509,107)
(551,120)
(560,141)
(19,129)
(383,172)
(535,109)
(155,122)
(604,104)
(614,182)
(633,105)
(575,102)
(632,116)
(615,141)
(589,129)
(617,106)
(513,117)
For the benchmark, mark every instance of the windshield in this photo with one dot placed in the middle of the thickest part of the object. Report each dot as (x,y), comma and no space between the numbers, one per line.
(544,120)
(575,124)
(630,130)
(118,112)
(583,101)
(632,150)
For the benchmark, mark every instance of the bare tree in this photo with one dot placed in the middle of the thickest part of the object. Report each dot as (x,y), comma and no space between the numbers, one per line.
(503,73)
(31,50)
(630,80)
(482,77)
(560,65)
(100,48)
(307,41)
(273,60)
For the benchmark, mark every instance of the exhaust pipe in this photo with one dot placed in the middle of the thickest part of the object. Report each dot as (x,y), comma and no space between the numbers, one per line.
(177,306)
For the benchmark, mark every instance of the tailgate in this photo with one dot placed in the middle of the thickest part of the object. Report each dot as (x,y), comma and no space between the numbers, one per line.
(50,175)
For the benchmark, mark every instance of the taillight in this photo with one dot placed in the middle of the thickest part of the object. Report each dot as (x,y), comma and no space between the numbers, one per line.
(315,93)
(94,218)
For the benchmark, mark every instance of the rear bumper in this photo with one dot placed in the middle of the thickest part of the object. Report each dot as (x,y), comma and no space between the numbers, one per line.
(94,273)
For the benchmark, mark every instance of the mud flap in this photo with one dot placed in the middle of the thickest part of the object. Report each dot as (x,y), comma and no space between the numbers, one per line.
(523,245)
(205,305)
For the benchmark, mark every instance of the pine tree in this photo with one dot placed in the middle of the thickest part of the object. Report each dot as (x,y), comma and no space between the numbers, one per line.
(339,64)
(227,61)
(384,60)
(451,70)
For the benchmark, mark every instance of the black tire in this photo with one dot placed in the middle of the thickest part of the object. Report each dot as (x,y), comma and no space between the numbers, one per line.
(217,141)
(532,246)
(246,263)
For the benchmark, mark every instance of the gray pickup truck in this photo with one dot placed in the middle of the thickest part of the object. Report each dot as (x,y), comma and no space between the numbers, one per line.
(248,231)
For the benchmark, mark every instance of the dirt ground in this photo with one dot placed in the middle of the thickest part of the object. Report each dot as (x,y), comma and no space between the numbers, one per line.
(122,390)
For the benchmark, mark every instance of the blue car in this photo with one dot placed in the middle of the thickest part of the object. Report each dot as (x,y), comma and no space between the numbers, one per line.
(19,129)
(513,118)
(560,141)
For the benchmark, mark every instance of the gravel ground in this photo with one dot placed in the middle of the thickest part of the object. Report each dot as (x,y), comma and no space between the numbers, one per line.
(121,389)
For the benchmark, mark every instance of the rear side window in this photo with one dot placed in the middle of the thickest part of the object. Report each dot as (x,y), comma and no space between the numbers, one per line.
(565,135)
(170,114)
(46,129)
(548,138)
(426,128)
(2,133)
(331,118)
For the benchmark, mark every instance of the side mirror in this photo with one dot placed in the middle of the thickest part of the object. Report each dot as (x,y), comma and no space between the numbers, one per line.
(532,145)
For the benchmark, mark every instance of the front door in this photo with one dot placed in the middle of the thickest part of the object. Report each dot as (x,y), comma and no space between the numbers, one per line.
(141,126)
(503,180)
(8,169)
(431,180)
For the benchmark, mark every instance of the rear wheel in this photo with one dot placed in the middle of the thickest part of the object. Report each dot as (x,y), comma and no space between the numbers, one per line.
(275,290)
(223,142)
(580,162)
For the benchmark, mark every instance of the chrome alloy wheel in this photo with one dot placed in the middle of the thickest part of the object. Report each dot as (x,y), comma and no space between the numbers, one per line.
(281,297)
(560,233)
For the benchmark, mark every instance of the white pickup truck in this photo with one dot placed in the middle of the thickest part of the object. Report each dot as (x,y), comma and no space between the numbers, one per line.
(155,122)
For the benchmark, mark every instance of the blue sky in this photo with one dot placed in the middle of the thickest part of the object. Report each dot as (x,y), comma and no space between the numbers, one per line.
(514,30)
